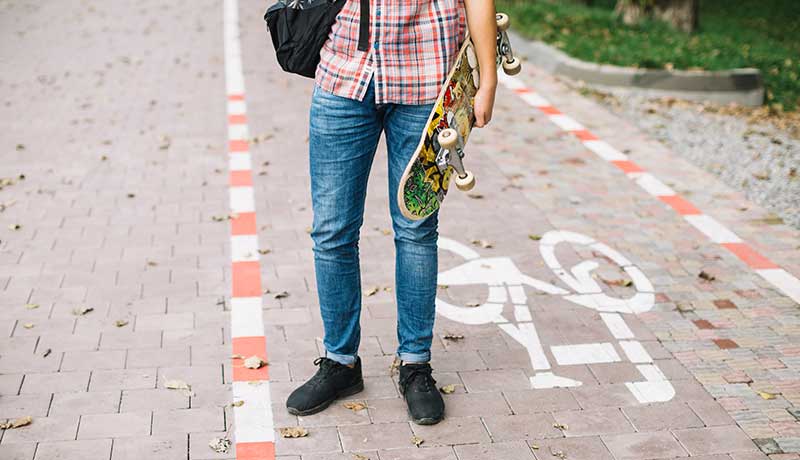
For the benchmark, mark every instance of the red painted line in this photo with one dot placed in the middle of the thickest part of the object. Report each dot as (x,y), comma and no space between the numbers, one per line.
(749,256)
(549,110)
(235,97)
(239,119)
(241,178)
(244,224)
(584,135)
(255,450)
(680,205)
(246,280)
(523,90)
(627,166)
(237,146)
(247,347)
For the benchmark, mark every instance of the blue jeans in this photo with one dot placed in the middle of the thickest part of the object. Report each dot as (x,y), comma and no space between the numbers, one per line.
(343,138)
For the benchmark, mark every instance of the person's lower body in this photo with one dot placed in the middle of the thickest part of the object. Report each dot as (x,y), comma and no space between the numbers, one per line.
(343,138)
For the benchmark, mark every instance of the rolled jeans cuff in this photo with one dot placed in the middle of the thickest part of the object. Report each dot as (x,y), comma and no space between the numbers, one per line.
(347,360)
(415,357)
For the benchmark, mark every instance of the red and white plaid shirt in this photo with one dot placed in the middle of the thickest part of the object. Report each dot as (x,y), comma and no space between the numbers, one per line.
(412,45)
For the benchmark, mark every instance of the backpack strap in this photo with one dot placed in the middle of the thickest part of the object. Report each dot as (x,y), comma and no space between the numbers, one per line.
(363,26)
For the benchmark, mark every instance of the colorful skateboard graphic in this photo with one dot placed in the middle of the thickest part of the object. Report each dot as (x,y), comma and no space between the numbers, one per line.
(439,155)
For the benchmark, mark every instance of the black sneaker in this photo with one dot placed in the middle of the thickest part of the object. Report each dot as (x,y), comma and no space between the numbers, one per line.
(332,380)
(425,404)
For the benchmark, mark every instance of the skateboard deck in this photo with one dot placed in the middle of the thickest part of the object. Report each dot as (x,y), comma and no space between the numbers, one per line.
(426,179)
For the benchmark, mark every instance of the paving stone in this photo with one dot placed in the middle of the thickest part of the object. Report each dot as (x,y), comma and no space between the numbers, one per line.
(158,357)
(10,384)
(74,450)
(388,410)
(125,379)
(319,440)
(581,448)
(456,430)
(335,415)
(152,399)
(715,440)
(495,380)
(20,451)
(20,406)
(188,420)
(475,405)
(90,360)
(164,447)
(517,450)
(662,417)
(512,427)
(96,426)
(375,436)
(56,382)
(541,400)
(642,446)
(592,422)
(43,429)
(82,402)
(711,413)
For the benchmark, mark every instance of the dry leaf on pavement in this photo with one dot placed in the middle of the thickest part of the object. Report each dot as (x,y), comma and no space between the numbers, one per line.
(164,142)
(766,395)
(706,276)
(417,441)
(618,282)
(355,406)
(448,389)
(535,237)
(220,445)
(293,432)
(178,385)
(254,362)
(360,457)
(560,426)
(16,423)
(80,311)
(453,337)
(371,291)
(121,322)
(482,243)
(281,295)
(239,403)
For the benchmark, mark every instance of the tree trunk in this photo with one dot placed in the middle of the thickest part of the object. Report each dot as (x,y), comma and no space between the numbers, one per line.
(681,14)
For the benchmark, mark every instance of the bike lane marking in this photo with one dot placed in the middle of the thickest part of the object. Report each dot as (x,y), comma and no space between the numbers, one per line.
(253,425)
(784,281)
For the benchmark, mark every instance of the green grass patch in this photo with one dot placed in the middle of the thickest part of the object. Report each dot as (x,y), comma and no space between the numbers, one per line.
(764,34)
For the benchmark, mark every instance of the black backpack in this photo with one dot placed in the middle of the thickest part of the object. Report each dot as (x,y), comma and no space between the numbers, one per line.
(299,29)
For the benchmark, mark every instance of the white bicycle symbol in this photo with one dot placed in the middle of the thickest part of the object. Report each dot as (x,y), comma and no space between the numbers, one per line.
(506,282)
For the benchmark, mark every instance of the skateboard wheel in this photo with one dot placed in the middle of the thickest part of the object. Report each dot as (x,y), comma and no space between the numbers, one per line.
(472,59)
(502,21)
(448,139)
(467,182)
(476,78)
(512,66)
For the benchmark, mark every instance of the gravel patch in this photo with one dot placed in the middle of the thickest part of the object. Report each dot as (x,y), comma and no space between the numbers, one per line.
(756,158)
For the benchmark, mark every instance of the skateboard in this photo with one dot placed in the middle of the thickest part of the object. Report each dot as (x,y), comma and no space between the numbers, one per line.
(440,152)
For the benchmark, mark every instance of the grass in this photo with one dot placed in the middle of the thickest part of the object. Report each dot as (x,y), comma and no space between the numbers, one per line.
(764,34)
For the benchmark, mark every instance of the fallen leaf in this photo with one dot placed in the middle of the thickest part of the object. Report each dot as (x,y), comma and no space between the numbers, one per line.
(164,142)
(443,286)
(28,325)
(177,385)
(618,282)
(473,304)
(220,445)
(394,366)
(371,291)
(360,457)
(765,395)
(453,337)
(152,263)
(131,195)
(15,227)
(558,454)
(417,441)
(535,237)
(121,322)
(254,362)
(560,426)
(239,403)
(264,251)
(482,243)
(281,295)
(237,357)
(355,406)
(103,158)
(20,147)
(706,276)
(31,306)
(475,196)
(448,389)
(81,311)
(387,288)
(47,353)
(16,423)
(293,432)
(535,446)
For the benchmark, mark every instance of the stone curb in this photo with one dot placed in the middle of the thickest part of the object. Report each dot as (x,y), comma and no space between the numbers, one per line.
(742,86)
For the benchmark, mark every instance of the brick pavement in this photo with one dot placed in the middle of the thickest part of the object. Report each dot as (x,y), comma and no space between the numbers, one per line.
(106,103)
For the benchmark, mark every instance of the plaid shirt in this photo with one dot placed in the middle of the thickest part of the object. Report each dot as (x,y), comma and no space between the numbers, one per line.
(412,45)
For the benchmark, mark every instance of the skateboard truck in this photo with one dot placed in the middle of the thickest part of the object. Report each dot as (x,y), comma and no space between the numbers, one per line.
(505,56)
(452,153)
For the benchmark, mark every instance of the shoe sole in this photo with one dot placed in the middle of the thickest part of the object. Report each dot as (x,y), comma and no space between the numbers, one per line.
(423,420)
(357,388)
